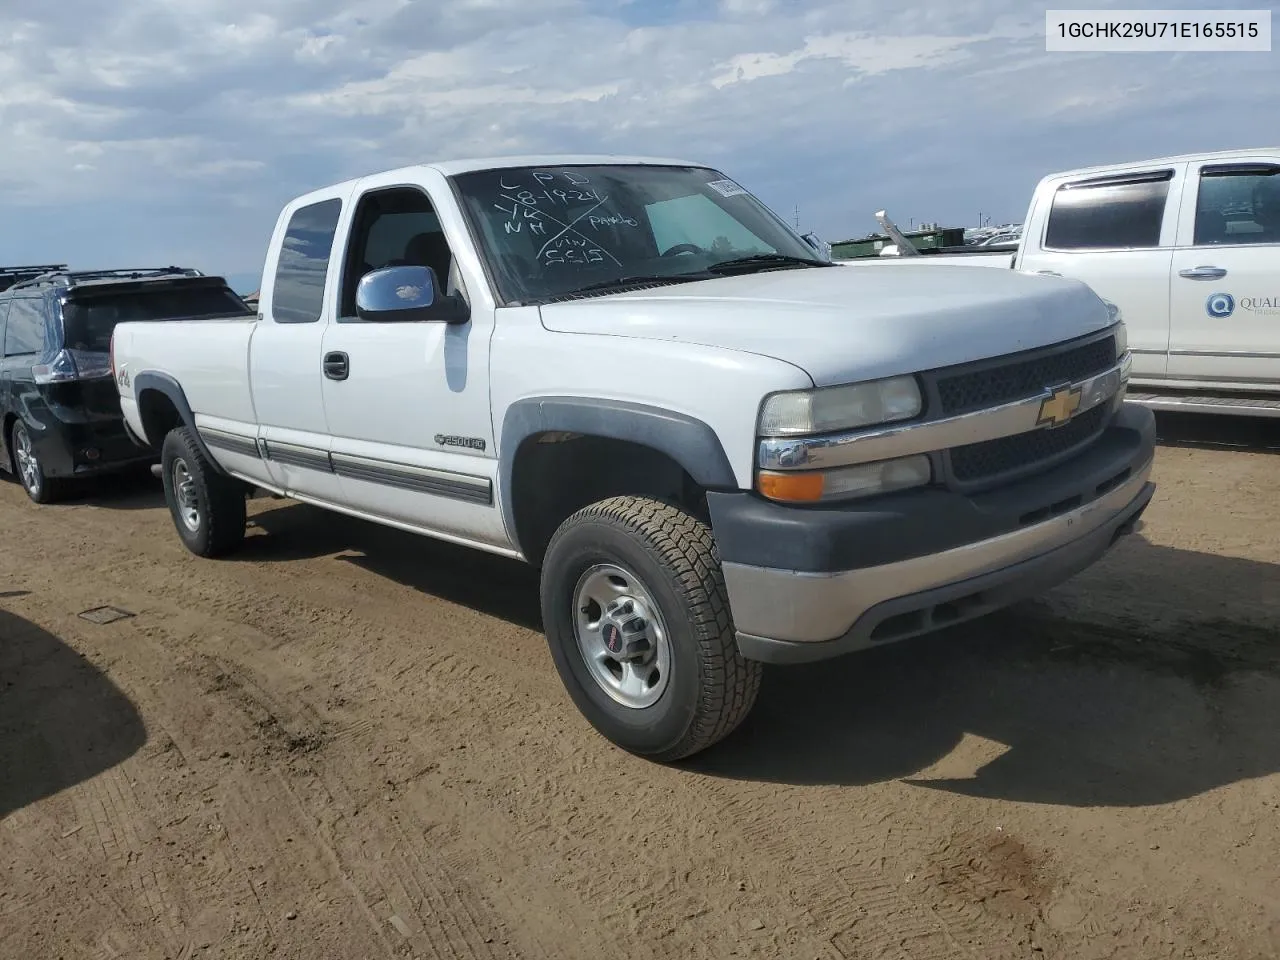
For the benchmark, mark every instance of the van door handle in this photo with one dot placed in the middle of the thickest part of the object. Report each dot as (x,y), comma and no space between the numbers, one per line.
(337,365)
(1203,273)
(1049,273)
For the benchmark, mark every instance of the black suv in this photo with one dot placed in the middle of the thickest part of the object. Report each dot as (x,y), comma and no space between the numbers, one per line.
(59,408)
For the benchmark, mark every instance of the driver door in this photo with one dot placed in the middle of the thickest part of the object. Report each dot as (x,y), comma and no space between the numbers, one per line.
(407,403)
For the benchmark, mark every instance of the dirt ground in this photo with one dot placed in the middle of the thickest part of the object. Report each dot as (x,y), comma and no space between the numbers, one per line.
(351,743)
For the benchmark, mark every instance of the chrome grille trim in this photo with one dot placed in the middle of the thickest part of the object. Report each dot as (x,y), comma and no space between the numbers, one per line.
(930,436)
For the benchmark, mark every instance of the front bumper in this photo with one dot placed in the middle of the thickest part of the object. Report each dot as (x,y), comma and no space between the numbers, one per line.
(866,574)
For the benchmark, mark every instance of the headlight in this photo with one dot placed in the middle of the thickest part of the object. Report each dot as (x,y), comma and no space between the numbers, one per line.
(845,483)
(1122,339)
(802,412)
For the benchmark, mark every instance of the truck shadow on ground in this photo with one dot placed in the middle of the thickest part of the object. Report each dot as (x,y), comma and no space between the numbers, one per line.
(1216,432)
(1151,677)
(62,721)
(493,585)
(1119,689)
(133,489)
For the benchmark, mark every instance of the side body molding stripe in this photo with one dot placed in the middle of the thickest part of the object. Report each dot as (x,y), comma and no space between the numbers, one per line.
(688,441)
(443,483)
(220,440)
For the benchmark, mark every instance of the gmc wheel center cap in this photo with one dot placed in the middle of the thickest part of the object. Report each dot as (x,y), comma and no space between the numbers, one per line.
(624,629)
(613,641)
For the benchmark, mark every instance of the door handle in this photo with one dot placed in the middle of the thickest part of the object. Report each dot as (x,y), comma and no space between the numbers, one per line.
(1049,273)
(337,365)
(1203,273)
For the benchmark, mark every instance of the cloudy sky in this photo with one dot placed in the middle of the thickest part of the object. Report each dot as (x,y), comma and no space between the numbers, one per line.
(172,130)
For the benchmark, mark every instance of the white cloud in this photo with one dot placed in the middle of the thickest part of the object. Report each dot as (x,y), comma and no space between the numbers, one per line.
(864,53)
(205,115)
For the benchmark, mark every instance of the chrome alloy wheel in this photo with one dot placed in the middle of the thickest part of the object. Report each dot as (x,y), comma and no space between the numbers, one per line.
(621,635)
(184,493)
(28,466)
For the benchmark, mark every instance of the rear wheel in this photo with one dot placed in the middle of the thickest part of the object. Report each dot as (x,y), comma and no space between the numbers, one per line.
(208,508)
(637,619)
(27,465)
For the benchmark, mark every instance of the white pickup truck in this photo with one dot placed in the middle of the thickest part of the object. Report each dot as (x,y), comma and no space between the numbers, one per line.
(1188,249)
(719,449)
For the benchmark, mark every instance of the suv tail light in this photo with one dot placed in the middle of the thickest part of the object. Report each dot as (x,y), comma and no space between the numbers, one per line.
(71,365)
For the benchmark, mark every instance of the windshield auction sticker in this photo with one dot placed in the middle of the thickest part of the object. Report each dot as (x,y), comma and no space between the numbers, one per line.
(1157,31)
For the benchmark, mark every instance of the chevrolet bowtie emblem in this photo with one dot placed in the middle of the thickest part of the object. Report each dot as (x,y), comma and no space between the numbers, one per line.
(1059,407)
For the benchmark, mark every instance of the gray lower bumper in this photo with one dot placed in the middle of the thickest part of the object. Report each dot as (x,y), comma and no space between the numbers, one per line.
(785,616)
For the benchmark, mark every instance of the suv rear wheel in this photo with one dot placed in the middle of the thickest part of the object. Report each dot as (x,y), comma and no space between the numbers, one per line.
(637,618)
(208,508)
(29,469)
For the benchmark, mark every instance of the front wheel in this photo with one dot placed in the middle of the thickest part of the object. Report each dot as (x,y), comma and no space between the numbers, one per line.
(208,508)
(637,619)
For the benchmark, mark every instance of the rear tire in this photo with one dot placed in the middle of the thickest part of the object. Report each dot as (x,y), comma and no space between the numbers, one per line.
(679,685)
(28,468)
(208,508)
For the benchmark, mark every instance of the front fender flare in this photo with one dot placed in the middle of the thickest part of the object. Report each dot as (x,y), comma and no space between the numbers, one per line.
(690,442)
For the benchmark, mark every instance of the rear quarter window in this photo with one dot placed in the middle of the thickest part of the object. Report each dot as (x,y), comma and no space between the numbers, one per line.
(1114,213)
(297,295)
(24,333)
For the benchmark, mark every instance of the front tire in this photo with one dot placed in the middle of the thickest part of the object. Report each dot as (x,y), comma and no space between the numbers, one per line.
(208,508)
(29,469)
(637,619)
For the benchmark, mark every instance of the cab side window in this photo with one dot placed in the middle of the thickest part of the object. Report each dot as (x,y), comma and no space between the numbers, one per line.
(395,227)
(1238,205)
(297,295)
(24,333)
(1110,213)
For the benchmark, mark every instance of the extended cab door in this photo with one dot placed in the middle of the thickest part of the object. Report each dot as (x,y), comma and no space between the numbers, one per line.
(1116,233)
(286,351)
(1225,282)
(408,402)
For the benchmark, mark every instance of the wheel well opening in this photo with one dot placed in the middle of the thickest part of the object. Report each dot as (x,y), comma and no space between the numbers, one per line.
(557,474)
(159,415)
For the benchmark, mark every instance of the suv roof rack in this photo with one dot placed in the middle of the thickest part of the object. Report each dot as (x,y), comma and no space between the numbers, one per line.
(74,277)
(10,276)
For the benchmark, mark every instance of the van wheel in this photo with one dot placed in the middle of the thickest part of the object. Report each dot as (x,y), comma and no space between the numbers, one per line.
(207,507)
(30,470)
(637,619)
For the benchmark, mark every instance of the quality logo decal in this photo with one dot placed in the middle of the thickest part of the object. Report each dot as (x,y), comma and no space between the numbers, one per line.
(1220,305)
(1266,306)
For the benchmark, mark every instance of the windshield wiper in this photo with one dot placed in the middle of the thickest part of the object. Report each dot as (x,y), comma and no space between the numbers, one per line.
(641,278)
(764,260)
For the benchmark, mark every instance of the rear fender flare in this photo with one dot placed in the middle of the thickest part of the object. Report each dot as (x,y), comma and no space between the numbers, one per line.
(167,385)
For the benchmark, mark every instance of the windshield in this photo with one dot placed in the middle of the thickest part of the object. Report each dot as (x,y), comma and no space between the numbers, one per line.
(87,324)
(553,232)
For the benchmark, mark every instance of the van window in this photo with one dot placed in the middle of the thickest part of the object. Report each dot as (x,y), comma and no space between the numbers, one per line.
(24,333)
(298,293)
(1109,213)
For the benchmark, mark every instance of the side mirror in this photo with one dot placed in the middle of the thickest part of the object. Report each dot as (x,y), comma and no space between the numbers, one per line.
(406,295)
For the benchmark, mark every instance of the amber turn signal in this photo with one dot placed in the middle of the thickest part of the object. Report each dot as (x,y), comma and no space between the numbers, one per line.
(791,487)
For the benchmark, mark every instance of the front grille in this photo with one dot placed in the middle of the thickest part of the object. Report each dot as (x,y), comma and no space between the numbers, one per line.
(994,458)
(997,383)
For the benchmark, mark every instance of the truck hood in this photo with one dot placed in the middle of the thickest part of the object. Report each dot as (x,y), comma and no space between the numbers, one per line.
(843,325)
